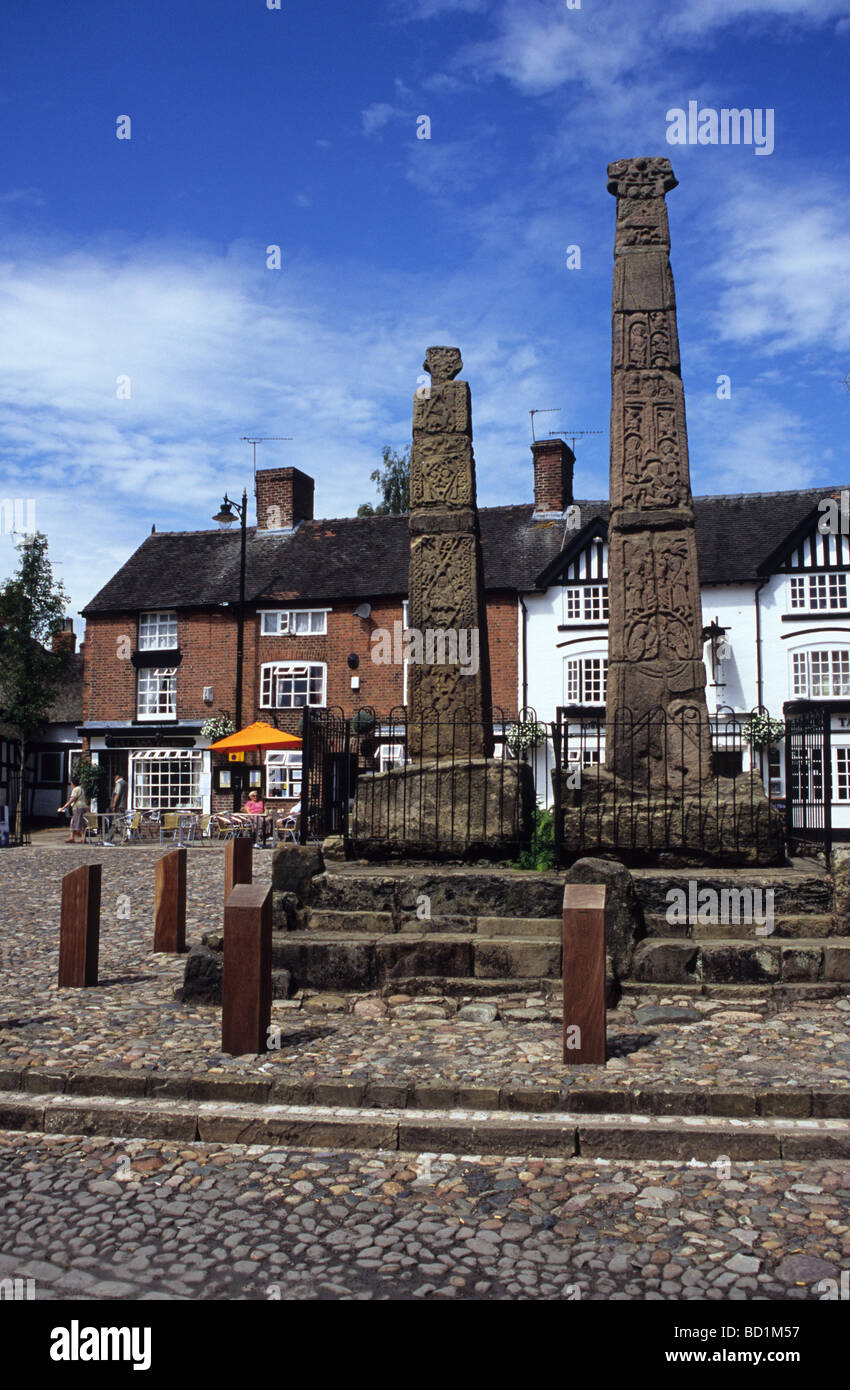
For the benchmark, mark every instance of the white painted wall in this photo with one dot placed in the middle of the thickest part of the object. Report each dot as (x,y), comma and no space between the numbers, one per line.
(735,683)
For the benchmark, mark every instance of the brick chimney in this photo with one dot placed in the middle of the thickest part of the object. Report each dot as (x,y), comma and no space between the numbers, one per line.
(553,476)
(66,637)
(284,497)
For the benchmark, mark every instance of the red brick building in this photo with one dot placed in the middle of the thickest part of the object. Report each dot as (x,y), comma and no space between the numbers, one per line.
(161,636)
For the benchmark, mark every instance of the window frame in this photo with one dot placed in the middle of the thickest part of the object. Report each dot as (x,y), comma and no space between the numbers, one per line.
(803,680)
(819,591)
(273,671)
(142,642)
(585,679)
(165,758)
(143,676)
(287,760)
(586,597)
(287,622)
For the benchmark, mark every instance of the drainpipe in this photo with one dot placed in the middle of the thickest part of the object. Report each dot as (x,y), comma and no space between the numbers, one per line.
(524,612)
(759,675)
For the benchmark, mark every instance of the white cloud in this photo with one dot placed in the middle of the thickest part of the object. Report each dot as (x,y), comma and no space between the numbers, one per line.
(784,268)
(378,115)
(750,443)
(217,347)
(698,16)
(540,46)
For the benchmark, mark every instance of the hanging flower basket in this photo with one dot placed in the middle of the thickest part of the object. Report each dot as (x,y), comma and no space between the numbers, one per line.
(218,726)
(527,734)
(761,731)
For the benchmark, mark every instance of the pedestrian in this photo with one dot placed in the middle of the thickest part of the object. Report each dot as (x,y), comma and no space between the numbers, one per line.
(117,807)
(78,804)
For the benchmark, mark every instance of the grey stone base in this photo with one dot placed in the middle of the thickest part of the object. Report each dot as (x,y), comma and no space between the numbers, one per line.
(463,809)
(727,821)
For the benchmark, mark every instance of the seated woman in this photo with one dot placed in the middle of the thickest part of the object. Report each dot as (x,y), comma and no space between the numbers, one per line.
(253,804)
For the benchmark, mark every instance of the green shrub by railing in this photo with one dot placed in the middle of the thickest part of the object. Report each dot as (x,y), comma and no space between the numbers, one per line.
(540,852)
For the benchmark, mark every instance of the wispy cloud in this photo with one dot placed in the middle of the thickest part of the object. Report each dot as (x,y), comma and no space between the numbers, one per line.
(215,349)
(783,270)
(750,443)
(378,115)
(31,196)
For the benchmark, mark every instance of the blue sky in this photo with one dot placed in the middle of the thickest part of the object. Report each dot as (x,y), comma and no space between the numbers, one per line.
(298,127)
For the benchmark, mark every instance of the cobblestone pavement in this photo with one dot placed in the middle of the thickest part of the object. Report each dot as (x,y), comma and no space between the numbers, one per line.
(92,1218)
(132,1021)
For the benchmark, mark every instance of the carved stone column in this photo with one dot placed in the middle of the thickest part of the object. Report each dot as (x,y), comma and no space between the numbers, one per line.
(655,629)
(449,688)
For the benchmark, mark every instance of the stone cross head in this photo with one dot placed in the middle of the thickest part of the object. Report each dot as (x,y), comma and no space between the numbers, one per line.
(442,363)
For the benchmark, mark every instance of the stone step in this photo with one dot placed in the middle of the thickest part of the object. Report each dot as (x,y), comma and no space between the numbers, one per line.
(369,960)
(449,892)
(582,1091)
(744,996)
(729,961)
(357,922)
(320,921)
(536,928)
(688,1138)
(814,924)
(794,890)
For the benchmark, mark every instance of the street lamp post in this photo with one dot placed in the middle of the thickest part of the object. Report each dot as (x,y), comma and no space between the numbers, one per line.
(225,518)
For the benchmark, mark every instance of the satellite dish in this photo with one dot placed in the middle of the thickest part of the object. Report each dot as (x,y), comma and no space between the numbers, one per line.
(363,610)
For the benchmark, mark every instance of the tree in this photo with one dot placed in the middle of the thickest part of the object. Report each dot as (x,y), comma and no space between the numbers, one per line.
(393,483)
(32,608)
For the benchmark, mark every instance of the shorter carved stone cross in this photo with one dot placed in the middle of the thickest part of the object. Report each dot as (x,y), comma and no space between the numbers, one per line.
(449,697)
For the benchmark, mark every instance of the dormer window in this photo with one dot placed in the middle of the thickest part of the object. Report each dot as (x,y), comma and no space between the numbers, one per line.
(817,593)
(157,630)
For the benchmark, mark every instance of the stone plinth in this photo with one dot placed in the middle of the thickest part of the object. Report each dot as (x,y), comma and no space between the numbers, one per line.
(479,807)
(728,822)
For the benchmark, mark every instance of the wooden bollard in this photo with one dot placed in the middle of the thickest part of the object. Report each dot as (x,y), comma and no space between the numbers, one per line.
(169,922)
(246,989)
(238,864)
(584,974)
(79,933)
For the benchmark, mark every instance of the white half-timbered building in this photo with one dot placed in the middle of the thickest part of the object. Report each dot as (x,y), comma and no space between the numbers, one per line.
(776,624)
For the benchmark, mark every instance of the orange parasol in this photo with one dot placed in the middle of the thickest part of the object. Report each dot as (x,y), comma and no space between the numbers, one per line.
(259,735)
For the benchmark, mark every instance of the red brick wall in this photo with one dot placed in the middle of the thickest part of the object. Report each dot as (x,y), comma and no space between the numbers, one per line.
(207,640)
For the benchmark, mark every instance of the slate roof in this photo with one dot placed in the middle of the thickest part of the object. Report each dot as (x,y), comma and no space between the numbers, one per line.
(367,557)
(67,707)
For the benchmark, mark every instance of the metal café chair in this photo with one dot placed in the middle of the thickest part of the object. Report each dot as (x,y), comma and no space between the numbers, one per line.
(131,826)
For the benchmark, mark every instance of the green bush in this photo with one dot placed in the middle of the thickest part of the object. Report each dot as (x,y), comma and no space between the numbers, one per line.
(540,852)
(92,777)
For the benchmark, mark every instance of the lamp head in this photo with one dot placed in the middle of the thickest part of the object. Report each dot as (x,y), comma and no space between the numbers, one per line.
(226,516)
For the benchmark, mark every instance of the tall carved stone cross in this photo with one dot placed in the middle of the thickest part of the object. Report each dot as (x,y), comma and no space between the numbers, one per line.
(655,627)
(449,675)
